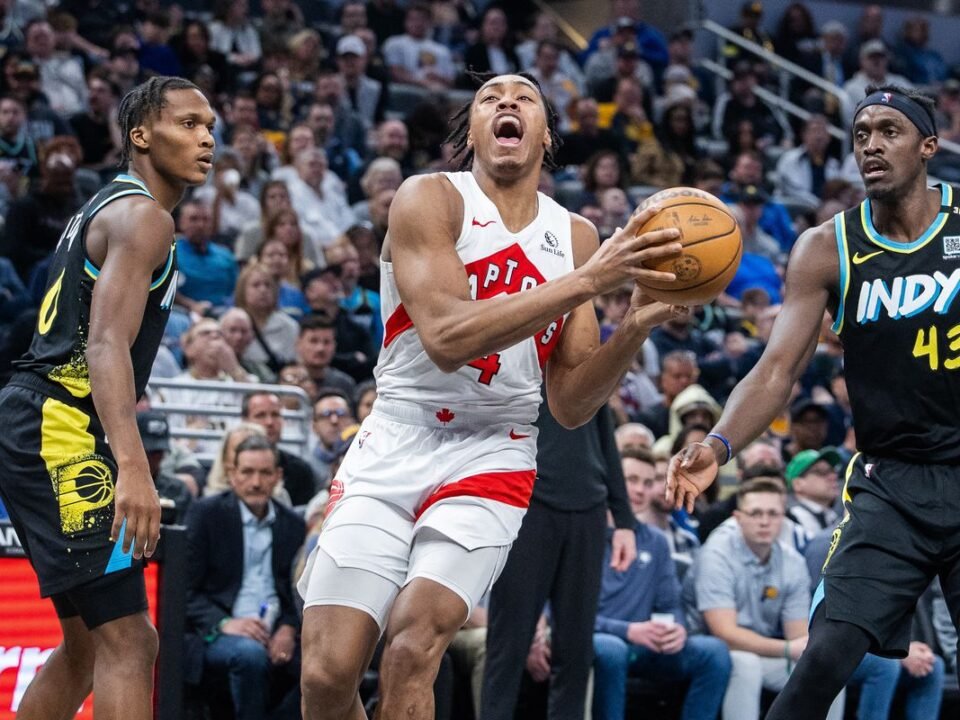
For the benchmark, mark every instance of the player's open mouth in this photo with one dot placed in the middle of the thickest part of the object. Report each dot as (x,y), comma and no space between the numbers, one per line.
(206,161)
(508,130)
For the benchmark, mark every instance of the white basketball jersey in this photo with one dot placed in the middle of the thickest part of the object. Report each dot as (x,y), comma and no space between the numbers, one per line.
(505,385)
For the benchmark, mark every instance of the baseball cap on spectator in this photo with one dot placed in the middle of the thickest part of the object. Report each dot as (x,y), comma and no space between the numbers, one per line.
(351,45)
(628,50)
(751,195)
(873,47)
(803,404)
(679,94)
(154,430)
(752,8)
(806,459)
(676,74)
(623,23)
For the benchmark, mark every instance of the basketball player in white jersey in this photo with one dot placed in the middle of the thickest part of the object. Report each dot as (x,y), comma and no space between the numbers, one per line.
(486,284)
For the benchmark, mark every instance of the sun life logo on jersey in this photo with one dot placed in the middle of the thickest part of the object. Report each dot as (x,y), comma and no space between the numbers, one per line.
(551,244)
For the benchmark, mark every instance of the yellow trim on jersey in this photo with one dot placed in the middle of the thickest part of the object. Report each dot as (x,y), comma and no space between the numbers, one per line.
(845,495)
(82,482)
(873,236)
(840,231)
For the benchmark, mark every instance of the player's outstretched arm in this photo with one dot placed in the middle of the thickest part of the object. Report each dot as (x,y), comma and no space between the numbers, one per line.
(812,273)
(425,220)
(136,235)
(582,373)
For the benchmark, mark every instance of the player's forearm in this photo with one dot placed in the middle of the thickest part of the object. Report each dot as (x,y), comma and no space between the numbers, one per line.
(473,329)
(585,388)
(753,405)
(112,386)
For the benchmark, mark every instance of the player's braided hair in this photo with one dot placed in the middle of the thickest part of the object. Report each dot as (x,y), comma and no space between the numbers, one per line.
(463,156)
(142,103)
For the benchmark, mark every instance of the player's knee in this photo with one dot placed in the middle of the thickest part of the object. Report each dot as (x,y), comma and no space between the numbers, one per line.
(132,640)
(78,647)
(327,685)
(414,651)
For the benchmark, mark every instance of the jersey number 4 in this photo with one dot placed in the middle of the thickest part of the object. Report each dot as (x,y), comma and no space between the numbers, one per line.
(488,365)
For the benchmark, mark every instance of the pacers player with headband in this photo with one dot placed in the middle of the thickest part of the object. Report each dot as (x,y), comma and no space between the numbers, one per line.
(889,273)
(487,285)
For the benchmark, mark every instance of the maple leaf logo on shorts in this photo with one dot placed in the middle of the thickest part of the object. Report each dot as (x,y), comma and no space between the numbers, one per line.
(444,415)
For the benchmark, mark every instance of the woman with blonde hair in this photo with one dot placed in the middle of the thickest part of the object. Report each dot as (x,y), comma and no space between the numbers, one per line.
(275,333)
(306,56)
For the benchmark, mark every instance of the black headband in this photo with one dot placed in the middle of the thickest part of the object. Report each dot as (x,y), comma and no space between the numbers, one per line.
(914,111)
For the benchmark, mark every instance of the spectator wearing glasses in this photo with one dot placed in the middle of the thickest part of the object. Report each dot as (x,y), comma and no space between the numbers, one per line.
(753,592)
(331,415)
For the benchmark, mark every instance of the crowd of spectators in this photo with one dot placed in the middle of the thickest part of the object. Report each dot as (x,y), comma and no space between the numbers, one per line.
(322,111)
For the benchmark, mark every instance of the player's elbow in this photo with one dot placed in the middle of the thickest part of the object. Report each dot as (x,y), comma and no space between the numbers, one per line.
(573,420)
(568,415)
(443,356)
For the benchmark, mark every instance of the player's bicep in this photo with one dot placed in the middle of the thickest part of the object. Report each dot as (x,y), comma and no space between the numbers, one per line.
(429,274)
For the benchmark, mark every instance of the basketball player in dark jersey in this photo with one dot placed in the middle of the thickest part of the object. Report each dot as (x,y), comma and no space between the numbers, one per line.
(87,511)
(889,273)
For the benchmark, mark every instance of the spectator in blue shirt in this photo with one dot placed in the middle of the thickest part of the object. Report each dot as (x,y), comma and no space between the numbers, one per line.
(650,41)
(640,628)
(208,271)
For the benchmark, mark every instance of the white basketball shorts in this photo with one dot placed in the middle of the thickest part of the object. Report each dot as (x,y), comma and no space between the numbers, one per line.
(421,494)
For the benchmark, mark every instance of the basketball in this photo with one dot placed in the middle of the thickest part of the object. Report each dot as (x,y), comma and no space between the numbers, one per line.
(711,246)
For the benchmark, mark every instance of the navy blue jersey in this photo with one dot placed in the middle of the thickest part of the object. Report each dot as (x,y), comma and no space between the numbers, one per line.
(899,321)
(57,354)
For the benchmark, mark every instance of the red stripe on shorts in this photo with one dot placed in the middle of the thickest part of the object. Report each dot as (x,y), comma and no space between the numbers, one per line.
(398,323)
(513,487)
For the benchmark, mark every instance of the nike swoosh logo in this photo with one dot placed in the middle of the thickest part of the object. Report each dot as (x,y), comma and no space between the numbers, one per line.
(516,436)
(483,224)
(859,259)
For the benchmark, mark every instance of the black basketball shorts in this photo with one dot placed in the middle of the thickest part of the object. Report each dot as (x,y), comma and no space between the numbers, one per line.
(57,481)
(901,528)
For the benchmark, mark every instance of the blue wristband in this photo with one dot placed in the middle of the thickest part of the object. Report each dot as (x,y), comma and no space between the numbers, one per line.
(726,444)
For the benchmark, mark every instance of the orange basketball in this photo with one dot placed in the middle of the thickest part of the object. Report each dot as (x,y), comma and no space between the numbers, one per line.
(711,246)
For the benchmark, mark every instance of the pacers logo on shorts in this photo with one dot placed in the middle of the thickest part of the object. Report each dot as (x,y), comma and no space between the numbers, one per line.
(84,489)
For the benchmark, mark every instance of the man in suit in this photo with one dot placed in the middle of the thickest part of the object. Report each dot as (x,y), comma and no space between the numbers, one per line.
(241,619)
